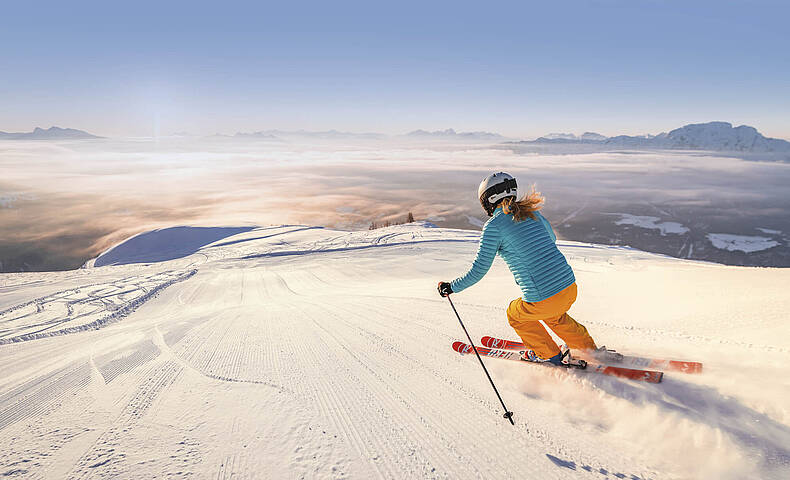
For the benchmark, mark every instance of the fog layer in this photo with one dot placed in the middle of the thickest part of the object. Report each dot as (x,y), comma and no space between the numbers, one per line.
(63,203)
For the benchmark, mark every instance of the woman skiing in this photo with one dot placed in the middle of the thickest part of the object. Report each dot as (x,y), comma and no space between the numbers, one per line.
(526,241)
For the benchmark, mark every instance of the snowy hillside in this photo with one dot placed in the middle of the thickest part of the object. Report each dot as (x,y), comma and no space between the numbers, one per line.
(303,352)
(720,136)
(714,136)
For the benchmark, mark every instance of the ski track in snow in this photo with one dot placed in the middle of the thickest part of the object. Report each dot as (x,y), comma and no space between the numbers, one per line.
(295,352)
(83,308)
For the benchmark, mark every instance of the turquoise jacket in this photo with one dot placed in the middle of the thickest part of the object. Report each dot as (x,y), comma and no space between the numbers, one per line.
(529,250)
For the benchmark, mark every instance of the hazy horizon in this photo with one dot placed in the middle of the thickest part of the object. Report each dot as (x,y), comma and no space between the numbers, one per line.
(139,73)
(392,134)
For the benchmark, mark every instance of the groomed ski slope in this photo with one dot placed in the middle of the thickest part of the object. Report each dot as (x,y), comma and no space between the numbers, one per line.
(301,352)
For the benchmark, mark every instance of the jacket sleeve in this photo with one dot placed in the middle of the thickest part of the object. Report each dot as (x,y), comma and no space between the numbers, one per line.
(548,226)
(490,240)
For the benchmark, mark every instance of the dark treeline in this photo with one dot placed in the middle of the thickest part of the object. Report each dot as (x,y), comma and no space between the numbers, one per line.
(387,223)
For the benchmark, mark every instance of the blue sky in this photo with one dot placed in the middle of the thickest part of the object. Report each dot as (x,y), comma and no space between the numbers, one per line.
(519,68)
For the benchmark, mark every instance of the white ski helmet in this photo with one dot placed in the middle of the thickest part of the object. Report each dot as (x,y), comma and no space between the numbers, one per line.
(494,188)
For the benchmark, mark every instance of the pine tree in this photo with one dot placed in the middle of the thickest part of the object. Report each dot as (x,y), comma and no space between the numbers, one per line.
(410,218)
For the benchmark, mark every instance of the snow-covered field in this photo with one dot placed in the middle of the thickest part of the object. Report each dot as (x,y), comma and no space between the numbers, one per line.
(744,243)
(300,352)
(653,223)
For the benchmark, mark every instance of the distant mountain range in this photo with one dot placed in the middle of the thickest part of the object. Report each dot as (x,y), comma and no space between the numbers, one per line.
(451,134)
(571,138)
(441,135)
(717,136)
(52,133)
(276,135)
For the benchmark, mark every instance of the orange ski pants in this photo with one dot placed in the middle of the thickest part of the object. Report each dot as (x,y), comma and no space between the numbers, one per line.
(525,318)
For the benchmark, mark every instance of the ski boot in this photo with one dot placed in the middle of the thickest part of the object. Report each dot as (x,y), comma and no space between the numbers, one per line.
(607,355)
(570,362)
(562,359)
(531,356)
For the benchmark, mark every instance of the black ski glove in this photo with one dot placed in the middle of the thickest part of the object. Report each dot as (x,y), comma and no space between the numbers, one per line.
(444,289)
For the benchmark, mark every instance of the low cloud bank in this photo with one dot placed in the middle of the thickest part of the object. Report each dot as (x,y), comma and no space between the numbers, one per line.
(61,204)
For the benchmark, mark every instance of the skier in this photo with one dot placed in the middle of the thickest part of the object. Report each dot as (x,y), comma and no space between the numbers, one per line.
(526,241)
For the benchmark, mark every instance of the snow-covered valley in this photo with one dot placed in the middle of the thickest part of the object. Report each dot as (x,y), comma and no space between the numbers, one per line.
(303,352)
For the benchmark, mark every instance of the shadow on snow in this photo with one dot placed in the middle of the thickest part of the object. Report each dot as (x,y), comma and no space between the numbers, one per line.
(166,244)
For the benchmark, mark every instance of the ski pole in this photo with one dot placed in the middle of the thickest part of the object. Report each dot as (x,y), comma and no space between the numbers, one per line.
(508,414)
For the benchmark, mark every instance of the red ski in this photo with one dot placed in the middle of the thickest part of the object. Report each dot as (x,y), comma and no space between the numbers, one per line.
(628,360)
(629,373)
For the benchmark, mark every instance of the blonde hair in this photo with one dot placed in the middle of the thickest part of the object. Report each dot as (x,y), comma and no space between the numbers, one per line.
(524,208)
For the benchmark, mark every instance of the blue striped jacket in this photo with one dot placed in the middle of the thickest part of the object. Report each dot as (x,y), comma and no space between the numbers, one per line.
(529,250)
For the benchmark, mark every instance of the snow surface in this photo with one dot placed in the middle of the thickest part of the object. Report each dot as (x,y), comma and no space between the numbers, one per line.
(299,352)
(164,244)
(743,243)
(653,223)
(770,231)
